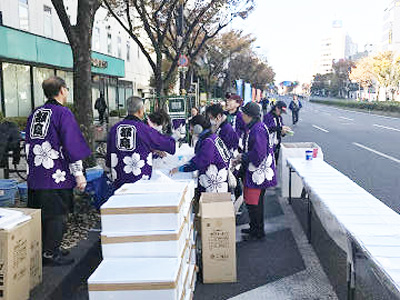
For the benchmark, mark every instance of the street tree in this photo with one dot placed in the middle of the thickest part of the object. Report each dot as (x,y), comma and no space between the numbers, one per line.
(166,29)
(385,71)
(213,61)
(362,72)
(247,66)
(79,36)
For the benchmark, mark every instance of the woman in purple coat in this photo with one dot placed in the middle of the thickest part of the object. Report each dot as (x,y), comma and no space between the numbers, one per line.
(130,145)
(211,159)
(258,168)
(274,122)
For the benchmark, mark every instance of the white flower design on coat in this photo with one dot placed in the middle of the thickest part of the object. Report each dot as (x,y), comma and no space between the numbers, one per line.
(150,159)
(59,176)
(214,181)
(263,172)
(27,155)
(146,177)
(114,163)
(133,164)
(44,155)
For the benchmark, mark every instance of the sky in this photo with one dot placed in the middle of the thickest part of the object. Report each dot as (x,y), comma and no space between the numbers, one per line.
(289,32)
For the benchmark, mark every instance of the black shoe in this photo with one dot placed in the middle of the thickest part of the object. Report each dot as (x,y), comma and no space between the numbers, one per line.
(57,260)
(65,252)
(245,230)
(253,236)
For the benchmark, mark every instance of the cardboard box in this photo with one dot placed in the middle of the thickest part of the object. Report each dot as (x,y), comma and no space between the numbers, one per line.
(15,262)
(218,237)
(35,228)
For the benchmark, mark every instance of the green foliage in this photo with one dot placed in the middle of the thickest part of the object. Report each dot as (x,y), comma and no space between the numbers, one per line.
(118,112)
(383,106)
(20,121)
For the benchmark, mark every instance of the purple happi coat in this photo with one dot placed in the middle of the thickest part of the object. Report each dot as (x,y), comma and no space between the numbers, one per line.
(129,150)
(54,143)
(236,121)
(211,160)
(229,136)
(258,157)
(274,124)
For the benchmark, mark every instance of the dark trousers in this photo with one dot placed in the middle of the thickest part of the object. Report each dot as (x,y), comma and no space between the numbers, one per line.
(55,205)
(101,116)
(256,214)
(295,116)
(276,153)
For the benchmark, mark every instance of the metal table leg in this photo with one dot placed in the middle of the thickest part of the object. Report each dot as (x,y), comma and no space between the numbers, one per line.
(309,209)
(290,185)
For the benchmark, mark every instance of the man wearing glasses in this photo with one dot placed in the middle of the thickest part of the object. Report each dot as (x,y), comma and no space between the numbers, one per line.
(54,148)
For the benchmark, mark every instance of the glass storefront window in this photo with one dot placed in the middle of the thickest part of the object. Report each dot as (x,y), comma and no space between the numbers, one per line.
(17,90)
(69,80)
(40,74)
(112,97)
(122,97)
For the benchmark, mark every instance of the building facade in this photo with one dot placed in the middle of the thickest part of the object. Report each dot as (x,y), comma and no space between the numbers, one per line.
(34,47)
(391,27)
(335,46)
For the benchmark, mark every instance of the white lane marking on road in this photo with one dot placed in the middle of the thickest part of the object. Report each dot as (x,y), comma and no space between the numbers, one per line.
(377,152)
(324,130)
(390,128)
(348,119)
(365,113)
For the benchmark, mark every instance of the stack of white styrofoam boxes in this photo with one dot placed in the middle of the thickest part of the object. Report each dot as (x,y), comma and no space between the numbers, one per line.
(147,243)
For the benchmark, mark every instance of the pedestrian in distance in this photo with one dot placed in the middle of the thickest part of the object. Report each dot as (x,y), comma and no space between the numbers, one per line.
(55,148)
(295,106)
(274,122)
(130,145)
(257,169)
(101,107)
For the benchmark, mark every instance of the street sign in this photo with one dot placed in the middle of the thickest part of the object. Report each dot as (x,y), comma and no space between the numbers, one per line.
(183,61)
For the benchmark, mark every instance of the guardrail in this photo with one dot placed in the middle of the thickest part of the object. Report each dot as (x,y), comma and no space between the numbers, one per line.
(360,224)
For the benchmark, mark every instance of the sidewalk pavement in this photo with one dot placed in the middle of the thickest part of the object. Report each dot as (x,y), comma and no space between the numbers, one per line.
(282,266)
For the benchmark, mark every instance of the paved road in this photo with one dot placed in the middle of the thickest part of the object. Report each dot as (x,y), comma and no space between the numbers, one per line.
(363,146)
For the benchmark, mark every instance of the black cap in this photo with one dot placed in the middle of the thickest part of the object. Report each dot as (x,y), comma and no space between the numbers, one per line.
(252,109)
(282,105)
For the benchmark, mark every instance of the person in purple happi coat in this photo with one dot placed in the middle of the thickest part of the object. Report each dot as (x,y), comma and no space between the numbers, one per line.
(234,116)
(211,159)
(55,148)
(221,126)
(274,122)
(257,168)
(130,145)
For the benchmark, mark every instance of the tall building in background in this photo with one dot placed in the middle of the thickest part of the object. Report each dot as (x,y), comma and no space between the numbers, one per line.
(391,27)
(335,46)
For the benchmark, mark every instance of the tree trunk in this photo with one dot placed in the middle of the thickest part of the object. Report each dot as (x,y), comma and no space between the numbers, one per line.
(82,92)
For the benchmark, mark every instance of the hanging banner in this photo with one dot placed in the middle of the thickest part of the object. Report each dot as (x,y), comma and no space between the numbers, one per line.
(259,94)
(239,87)
(247,92)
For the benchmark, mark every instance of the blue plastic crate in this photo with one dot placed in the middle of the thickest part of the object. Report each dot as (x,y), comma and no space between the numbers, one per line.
(23,191)
(100,189)
(93,174)
(8,190)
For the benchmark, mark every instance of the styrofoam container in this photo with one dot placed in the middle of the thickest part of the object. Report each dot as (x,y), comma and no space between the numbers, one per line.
(150,186)
(160,243)
(138,278)
(145,212)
